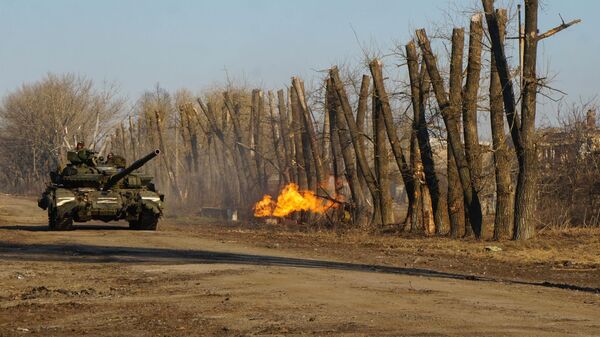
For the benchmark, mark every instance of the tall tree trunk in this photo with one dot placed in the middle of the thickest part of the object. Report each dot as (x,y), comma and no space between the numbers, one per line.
(361,112)
(275,140)
(381,95)
(324,151)
(309,165)
(168,167)
(175,164)
(469,108)
(360,209)
(185,135)
(503,219)
(223,193)
(472,149)
(421,218)
(414,220)
(419,88)
(525,198)
(523,131)
(292,138)
(285,135)
(242,168)
(243,154)
(297,128)
(361,158)
(255,122)
(334,140)
(380,152)
(298,86)
(122,140)
(193,131)
(132,140)
(190,114)
(470,194)
(456,202)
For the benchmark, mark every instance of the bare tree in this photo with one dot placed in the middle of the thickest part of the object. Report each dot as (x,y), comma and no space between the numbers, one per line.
(502,157)
(298,87)
(359,203)
(523,129)
(380,153)
(452,128)
(40,121)
(386,111)
(361,158)
(456,202)
(419,87)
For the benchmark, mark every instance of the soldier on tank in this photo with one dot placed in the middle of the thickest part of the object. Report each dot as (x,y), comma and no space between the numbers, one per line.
(81,155)
(115,160)
(109,158)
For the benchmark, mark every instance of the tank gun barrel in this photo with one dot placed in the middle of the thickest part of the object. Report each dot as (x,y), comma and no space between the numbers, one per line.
(114,179)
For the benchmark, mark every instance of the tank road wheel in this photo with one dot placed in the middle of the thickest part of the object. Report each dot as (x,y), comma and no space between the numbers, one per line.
(146,222)
(57,222)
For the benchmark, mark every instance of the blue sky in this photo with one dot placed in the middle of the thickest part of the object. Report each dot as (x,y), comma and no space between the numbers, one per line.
(190,43)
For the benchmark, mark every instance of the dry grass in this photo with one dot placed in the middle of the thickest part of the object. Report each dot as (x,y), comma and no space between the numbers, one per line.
(568,256)
(577,246)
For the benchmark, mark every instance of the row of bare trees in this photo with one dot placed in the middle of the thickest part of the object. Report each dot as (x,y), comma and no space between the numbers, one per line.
(39,122)
(346,139)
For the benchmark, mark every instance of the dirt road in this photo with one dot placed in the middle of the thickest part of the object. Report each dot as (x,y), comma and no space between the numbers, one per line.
(103,281)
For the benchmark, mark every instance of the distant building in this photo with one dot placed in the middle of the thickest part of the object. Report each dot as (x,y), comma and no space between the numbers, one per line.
(562,145)
(569,181)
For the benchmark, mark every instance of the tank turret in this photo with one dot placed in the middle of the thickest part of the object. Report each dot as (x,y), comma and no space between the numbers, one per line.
(114,179)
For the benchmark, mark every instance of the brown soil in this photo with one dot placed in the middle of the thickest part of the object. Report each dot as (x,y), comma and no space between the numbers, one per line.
(192,278)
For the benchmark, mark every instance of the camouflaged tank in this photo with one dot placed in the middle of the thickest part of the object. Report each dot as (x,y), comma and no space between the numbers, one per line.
(89,188)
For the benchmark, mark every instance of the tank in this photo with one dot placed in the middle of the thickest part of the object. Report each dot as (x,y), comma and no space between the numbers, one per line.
(89,188)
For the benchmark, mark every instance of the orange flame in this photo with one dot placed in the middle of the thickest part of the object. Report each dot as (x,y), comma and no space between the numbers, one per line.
(290,200)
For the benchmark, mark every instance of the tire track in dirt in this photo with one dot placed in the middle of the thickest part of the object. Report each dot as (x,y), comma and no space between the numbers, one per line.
(138,255)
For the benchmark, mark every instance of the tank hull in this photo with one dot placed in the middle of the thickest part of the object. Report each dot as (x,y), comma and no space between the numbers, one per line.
(137,206)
